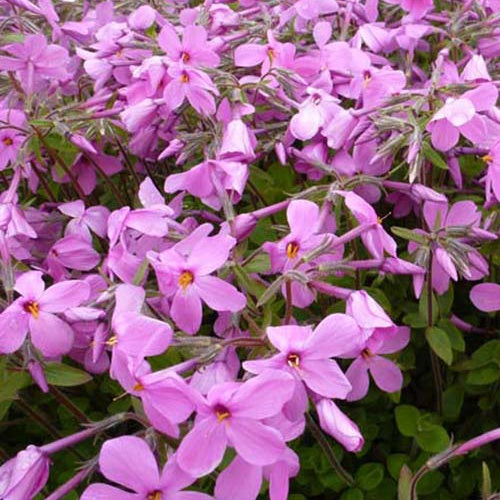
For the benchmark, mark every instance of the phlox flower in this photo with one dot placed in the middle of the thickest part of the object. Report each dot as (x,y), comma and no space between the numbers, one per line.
(35,61)
(416,8)
(385,373)
(375,239)
(129,462)
(305,353)
(194,49)
(35,312)
(461,116)
(232,414)
(83,220)
(186,277)
(11,139)
(24,475)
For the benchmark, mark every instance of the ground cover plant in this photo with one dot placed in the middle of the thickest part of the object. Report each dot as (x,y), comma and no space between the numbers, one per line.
(249,249)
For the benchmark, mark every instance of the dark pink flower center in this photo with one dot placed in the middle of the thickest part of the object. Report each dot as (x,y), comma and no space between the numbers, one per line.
(155,495)
(293,360)
(185,57)
(367,354)
(32,307)
(8,141)
(292,249)
(222,413)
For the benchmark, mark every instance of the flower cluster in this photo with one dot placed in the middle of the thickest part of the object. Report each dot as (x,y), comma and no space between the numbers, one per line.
(202,203)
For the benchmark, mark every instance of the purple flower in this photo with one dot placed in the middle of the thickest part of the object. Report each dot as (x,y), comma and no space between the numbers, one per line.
(232,415)
(486,297)
(385,373)
(186,276)
(34,312)
(460,116)
(23,476)
(35,61)
(305,353)
(129,462)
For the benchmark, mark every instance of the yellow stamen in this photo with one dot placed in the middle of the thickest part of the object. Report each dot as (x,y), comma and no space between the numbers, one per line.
(292,249)
(271,54)
(138,387)
(185,57)
(185,279)
(222,415)
(156,495)
(184,78)
(8,141)
(293,360)
(487,158)
(379,220)
(33,308)
(112,340)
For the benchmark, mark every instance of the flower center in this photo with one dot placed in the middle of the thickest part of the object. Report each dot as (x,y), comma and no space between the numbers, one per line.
(367,76)
(156,495)
(271,54)
(32,307)
(487,158)
(184,77)
(185,57)
(222,413)
(185,279)
(292,249)
(293,360)
(138,387)
(7,141)
(112,340)
(366,354)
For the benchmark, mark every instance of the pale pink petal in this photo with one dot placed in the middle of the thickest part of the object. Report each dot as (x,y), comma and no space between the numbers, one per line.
(186,310)
(239,481)
(219,294)
(446,263)
(394,341)
(249,54)
(101,491)
(306,123)
(335,335)
(13,330)
(202,449)
(289,338)
(444,135)
(50,334)
(210,253)
(484,97)
(386,374)
(463,213)
(255,442)
(475,130)
(357,375)
(302,216)
(64,295)
(324,377)
(30,284)
(128,460)
(485,296)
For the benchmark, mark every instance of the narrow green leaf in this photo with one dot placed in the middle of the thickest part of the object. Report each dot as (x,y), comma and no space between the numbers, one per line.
(13,383)
(408,234)
(440,343)
(64,375)
(433,156)
(486,486)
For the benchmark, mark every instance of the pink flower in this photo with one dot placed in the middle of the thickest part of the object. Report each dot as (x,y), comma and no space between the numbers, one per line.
(34,312)
(85,220)
(460,116)
(23,476)
(305,353)
(35,61)
(11,139)
(385,373)
(416,8)
(376,239)
(232,415)
(138,473)
(184,273)
(192,51)
(486,297)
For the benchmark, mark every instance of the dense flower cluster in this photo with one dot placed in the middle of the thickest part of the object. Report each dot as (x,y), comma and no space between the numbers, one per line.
(146,209)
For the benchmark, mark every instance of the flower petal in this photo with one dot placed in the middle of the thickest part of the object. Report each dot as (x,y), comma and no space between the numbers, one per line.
(485,296)
(50,334)
(219,295)
(357,374)
(101,491)
(128,460)
(386,374)
(324,377)
(13,330)
(239,481)
(64,295)
(186,310)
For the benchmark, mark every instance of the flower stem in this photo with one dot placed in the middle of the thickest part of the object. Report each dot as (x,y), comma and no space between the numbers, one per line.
(327,450)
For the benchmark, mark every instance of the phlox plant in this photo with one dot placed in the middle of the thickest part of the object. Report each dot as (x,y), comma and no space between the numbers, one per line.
(249,249)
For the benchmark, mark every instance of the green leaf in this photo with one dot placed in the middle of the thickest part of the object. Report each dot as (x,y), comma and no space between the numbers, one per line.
(352,494)
(65,375)
(453,399)
(433,438)
(395,462)
(369,476)
(486,486)
(454,334)
(408,234)
(445,301)
(404,483)
(440,343)
(433,156)
(483,376)
(259,264)
(13,383)
(407,419)
(423,307)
